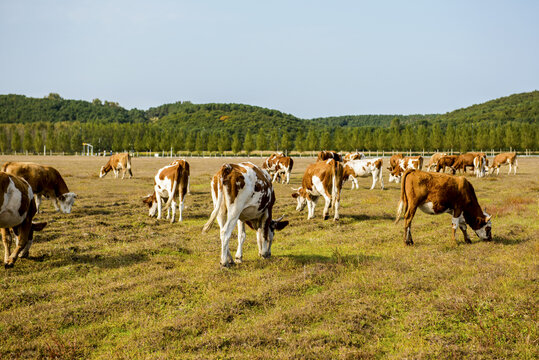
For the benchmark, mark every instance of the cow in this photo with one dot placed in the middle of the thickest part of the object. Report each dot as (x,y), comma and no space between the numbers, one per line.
(356,155)
(364,168)
(505,158)
(278,165)
(445,162)
(434,160)
(170,182)
(325,155)
(118,162)
(436,193)
(479,166)
(467,160)
(394,161)
(45,181)
(243,194)
(323,178)
(17,210)
(409,162)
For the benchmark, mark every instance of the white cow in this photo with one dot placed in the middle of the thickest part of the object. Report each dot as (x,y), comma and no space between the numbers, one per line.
(364,168)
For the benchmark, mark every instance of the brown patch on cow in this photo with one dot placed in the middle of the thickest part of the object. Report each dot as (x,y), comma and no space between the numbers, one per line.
(44,180)
(502,158)
(233,179)
(326,155)
(446,161)
(325,172)
(378,164)
(394,161)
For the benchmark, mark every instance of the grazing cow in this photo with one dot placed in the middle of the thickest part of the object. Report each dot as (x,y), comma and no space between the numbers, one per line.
(394,161)
(117,163)
(434,160)
(170,182)
(505,158)
(325,155)
(243,194)
(356,155)
(409,162)
(44,180)
(17,209)
(279,165)
(435,194)
(446,161)
(466,160)
(364,168)
(479,166)
(323,178)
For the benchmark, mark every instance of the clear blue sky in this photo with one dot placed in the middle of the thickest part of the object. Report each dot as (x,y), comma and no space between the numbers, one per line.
(308,58)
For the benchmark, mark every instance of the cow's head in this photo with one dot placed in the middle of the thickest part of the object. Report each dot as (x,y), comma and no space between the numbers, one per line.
(273,226)
(151,201)
(395,174)
(485,227)
(301,196)
(102,172)
(66,201)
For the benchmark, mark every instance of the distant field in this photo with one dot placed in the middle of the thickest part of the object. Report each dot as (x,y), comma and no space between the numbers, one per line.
(108,282)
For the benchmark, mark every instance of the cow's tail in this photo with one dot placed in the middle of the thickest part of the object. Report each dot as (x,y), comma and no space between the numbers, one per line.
(216,206)
(403,203)
(380,178)
(337,182)
(129,165)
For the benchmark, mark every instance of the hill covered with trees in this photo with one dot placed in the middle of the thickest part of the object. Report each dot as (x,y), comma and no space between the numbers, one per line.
(29,124)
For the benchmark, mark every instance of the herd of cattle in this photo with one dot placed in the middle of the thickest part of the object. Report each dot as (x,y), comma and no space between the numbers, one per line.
(243,193)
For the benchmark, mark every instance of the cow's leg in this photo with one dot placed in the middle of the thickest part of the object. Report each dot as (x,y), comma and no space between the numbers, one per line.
(241,239)
(188,186)
(263,246)
(159,205)
(336,207)
(274,177)
(181,199)
(173,205)
(37,198)
(373,180)
(6,239)
(327,205)
(288,177)
(25,253)
(515,165)
(355,184)
(462,226)
(408,216)
(226,232)
(381,179)
(311,204)
(510,168)
(22,239)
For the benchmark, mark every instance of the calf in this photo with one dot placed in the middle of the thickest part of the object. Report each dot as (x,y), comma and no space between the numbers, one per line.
(279,165)
(435,194)
(364,168)
(117,163)
(411,162)
(505,158)
(356,155)
(325,155)
(243,194)
(170,182)
(433,162)
(45,181)
(323,178)
(17,209)
(446,161)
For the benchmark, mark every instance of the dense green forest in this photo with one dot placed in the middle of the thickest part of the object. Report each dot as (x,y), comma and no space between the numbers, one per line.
(29,124)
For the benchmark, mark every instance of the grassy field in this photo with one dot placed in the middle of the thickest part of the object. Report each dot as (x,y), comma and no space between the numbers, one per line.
(108,282)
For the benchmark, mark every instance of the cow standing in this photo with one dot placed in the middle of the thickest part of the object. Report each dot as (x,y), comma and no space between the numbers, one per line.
(323,178)
(433,162)
(505,158)
(364,168)
(17,209)
(326,155)
(435,194)
(45,181)
(243,194)
(356,155)
(278,165)
(117,163)
(409,162)
(170,182)
(446,161)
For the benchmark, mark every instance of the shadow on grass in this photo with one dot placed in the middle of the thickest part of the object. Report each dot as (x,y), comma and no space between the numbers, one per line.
(508,241)
(335,258)
(103,262)
(363,217)
(95,212)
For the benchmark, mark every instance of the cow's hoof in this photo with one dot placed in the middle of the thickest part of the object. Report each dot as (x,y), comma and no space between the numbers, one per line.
(468,241)
(326,217)
(238,260)
(8,266)
(24,256)
(265,256)
(409,243)
(227,265)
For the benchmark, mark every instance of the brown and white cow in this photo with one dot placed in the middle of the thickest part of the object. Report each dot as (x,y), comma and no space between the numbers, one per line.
(17,209)
(480,166)
(243,194)
(433,162)
(364,168)
(408,162)
(45,181)
(435,194)
(118,162)
(505,158)
(170,182)
(467,160)
(323,178)
(446,161)
(278,165)
(325,155)
(356,155)
(394,161)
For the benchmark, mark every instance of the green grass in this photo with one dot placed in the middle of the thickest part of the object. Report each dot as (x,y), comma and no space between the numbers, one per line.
(107,282)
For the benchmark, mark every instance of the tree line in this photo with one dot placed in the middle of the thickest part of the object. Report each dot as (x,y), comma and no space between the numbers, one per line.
(68,137)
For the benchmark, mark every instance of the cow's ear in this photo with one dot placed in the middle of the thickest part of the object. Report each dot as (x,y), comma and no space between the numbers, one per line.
(39,226)
(488,218)
(281,225)
(295,195)
(61,197)
(146,199)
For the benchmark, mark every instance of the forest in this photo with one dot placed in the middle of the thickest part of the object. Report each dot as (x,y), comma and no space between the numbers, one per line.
(60,125)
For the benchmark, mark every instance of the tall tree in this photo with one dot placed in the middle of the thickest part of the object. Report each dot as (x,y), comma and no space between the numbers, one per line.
(248,143)
(236,143)
(15,140)
(261,143)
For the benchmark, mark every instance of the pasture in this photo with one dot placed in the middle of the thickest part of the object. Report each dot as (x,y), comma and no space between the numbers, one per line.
(108,282)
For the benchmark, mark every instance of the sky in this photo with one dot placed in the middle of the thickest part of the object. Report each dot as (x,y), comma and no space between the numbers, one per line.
(308,58)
